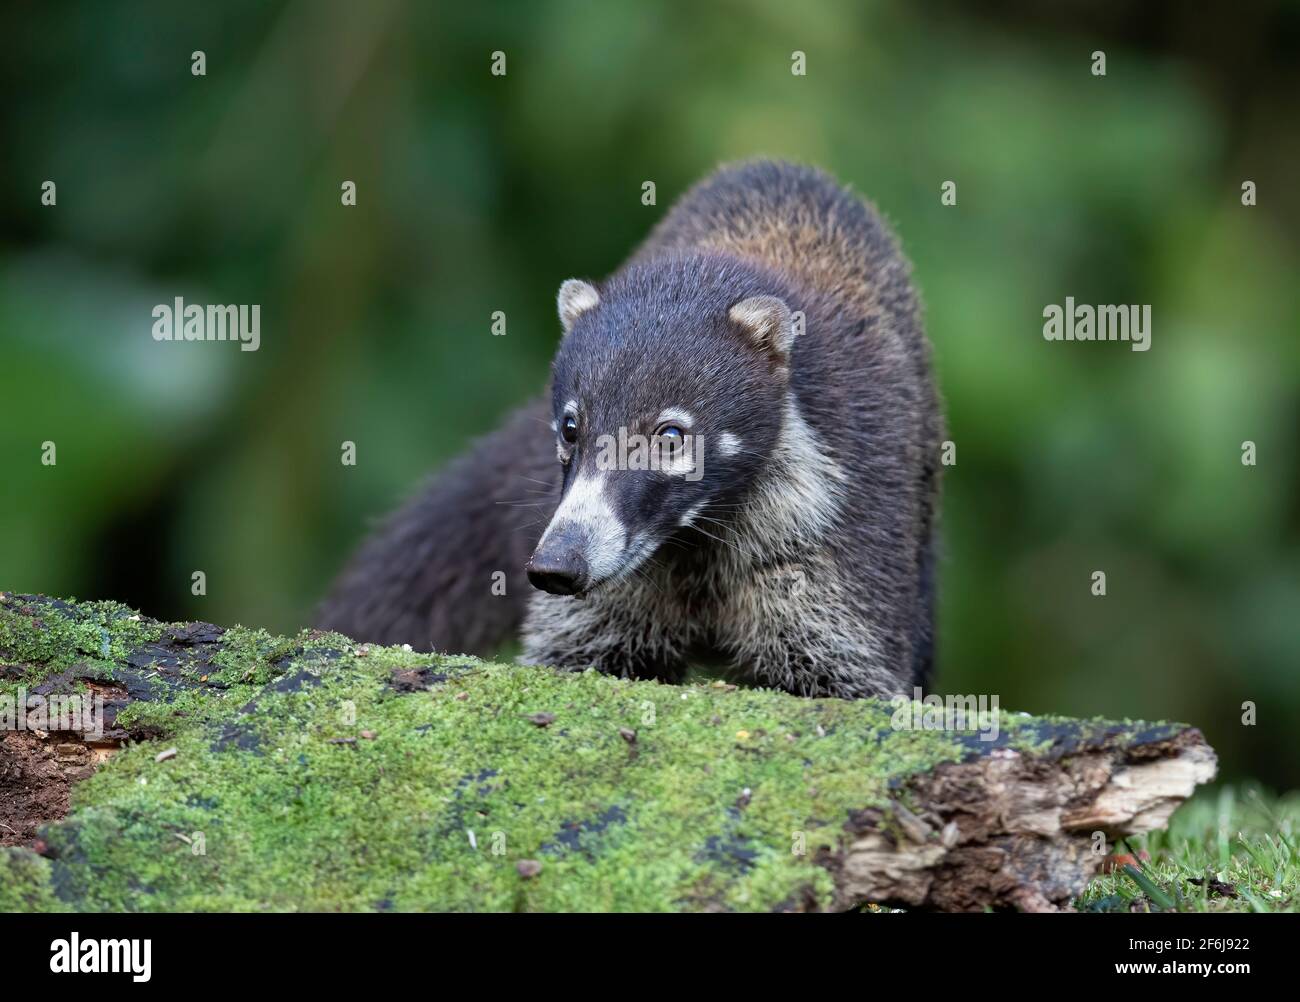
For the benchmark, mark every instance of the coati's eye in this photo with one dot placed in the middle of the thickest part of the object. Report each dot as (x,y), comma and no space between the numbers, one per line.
(569,429)
(671,439)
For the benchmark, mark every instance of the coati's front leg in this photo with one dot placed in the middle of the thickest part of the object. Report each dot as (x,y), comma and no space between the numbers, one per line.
(629,634)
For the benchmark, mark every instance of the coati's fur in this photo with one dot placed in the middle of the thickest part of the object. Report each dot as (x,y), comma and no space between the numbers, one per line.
(803,556)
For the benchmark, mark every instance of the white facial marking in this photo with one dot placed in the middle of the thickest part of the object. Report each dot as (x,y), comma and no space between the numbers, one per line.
(675,415)
(686,461)
(689,518)
(585,506)
(728,444)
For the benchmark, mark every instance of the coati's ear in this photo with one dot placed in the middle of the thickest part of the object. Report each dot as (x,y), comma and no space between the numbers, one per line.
(767,321)
(576,298)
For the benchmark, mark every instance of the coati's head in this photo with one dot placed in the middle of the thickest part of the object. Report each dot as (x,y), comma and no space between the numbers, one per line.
(669,390)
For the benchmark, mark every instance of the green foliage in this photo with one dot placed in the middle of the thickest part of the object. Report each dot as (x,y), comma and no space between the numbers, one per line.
(1227,849)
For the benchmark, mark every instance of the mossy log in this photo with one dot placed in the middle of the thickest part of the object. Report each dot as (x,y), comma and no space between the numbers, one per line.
(240,771)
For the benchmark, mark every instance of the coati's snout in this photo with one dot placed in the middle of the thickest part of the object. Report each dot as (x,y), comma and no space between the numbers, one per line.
(560,566)
(586,542)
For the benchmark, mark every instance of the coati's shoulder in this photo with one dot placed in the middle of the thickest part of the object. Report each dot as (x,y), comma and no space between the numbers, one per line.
(796,220)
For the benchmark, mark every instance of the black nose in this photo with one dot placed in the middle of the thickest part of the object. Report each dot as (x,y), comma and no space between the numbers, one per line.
(559,573)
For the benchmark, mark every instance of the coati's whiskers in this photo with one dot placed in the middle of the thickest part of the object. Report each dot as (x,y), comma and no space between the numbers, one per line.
(719,539)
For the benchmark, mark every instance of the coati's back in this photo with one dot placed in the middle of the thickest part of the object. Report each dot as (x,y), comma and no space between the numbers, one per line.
(801,223)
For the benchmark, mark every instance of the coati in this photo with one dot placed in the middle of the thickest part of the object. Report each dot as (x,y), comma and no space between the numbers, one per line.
(769,317)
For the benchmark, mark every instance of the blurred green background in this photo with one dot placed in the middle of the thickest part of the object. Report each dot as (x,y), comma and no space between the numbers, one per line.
(479,193)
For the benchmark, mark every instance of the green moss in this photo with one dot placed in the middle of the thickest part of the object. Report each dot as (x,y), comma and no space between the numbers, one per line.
(164,717)
(100,634)
(248,656)
(289,816)
(25,882)
(317,780)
